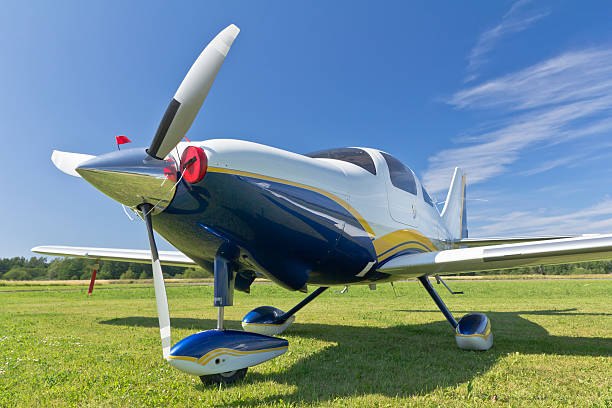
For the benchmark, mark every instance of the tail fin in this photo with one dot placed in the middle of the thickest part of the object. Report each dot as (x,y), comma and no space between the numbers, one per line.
(454,214)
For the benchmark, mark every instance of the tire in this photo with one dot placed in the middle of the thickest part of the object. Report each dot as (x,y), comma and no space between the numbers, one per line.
(229,377)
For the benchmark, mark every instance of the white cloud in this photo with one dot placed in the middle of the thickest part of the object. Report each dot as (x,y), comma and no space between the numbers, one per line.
(561,99)
(573,160)
(594,219)
(514,21)
(569,77)
(551,164)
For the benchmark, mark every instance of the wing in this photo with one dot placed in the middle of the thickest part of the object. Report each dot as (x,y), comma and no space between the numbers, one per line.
(172,258)
(67,162)
(476,242)
(464,260)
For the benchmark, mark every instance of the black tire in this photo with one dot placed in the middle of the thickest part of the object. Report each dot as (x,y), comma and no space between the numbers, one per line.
(229,377)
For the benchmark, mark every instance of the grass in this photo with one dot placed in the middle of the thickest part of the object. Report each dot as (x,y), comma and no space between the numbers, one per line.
(553,347)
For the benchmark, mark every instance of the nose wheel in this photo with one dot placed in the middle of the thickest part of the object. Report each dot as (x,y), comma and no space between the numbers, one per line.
(228,377)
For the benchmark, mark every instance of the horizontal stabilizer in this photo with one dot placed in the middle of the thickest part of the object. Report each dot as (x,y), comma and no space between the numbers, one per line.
(491,257)
(68,162)
(172,258)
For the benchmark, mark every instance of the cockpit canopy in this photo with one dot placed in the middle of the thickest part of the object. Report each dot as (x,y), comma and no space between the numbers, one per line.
(353,155)
(403,178)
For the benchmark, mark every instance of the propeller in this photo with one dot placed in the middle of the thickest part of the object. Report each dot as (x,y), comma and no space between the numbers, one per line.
(190,95)
(139,179)
(163,315)
(174,125)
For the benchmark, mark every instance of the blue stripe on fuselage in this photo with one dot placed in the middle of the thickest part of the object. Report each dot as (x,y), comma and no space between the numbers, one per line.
(294,234)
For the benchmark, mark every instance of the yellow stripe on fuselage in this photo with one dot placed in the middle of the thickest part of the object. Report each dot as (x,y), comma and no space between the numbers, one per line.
(382,245)
(222,351)
(211,354)
(390,244)
(337,199)
(186,358)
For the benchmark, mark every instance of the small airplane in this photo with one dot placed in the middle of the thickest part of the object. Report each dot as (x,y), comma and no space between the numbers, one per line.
(347,216)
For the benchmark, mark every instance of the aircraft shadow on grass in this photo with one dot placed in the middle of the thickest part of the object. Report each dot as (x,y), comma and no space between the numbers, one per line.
(399,360)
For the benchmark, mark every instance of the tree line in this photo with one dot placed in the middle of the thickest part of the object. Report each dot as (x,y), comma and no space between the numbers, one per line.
(41,268)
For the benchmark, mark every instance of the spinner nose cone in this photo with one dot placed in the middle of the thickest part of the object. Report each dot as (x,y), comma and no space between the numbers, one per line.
(132,177)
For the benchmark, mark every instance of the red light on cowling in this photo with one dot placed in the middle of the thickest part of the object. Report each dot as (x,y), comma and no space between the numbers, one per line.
(194,164)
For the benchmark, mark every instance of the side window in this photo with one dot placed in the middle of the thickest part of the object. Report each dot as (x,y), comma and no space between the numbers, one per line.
(348,154)
(426,196)
(401,176)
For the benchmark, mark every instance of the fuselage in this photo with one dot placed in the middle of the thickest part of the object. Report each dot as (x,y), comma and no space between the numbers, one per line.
(297,219)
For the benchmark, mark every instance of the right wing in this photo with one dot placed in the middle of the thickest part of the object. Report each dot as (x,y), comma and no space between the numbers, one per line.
(484,258)
(171,258)
(475,242)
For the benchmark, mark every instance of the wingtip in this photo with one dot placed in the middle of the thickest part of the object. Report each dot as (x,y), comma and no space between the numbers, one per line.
(68,162)
(233,29)
(55,156)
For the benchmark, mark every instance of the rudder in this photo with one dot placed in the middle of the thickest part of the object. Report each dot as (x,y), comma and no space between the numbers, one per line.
(454,214)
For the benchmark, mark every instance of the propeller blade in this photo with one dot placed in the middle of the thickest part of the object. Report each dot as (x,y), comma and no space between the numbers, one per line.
(163,314)
(191,94)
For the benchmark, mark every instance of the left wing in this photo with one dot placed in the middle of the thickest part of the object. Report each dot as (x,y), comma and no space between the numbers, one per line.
(68,162)
(484,258)
(171,258)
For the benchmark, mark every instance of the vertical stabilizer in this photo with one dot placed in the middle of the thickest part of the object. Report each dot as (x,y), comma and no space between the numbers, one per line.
(454,214)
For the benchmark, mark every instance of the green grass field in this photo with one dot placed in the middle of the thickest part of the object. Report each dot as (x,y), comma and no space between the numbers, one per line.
(553,347)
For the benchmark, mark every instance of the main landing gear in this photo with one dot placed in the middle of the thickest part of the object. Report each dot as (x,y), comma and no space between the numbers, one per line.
(472,331)
(271,321)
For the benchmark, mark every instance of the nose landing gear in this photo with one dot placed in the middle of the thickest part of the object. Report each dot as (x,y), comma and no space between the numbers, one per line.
(222,356)
(227,377)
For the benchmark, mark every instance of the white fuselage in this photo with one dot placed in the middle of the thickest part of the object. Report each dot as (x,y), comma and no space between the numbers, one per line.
(385,207)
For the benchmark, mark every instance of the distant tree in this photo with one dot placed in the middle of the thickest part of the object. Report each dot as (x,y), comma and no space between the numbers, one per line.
(140,268)
(72,268)
(112,270)
(195,273)
(18,273)
(129,274)
(8,263)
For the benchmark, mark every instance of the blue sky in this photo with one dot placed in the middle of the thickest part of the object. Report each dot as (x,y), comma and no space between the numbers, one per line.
(517,92)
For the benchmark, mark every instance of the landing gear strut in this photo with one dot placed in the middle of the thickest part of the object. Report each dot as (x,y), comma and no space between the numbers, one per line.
(436,298)
(223,287)
(271,321)
(223,296)
(472,331)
